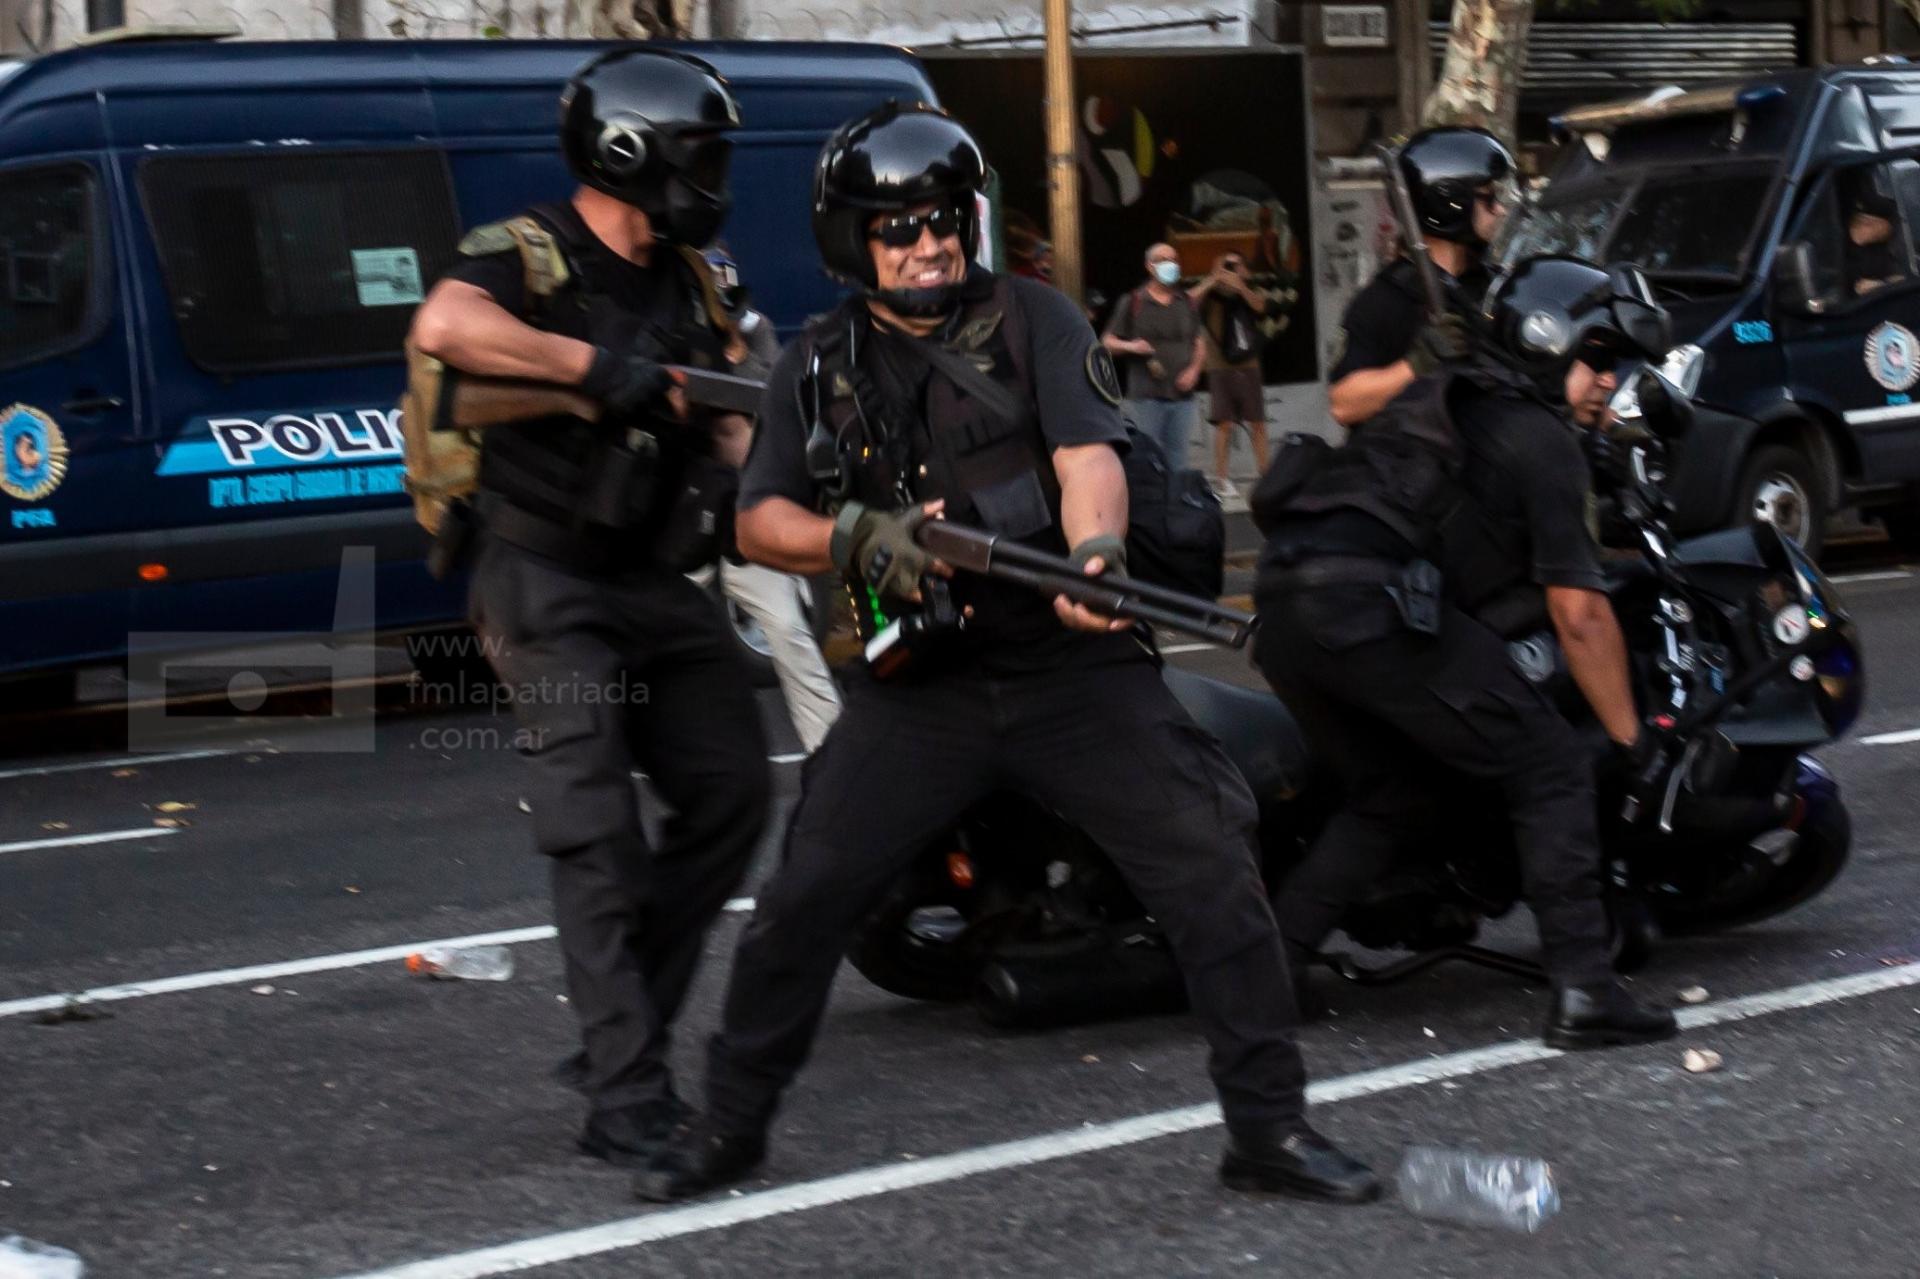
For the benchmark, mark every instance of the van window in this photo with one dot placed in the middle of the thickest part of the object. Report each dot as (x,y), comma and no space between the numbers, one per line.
(46,261)
(1690,226)
(1859,239)
(298,260)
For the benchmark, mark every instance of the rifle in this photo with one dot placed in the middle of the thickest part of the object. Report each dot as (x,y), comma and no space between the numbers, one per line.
(1403,213)
(473,403)
(985,553)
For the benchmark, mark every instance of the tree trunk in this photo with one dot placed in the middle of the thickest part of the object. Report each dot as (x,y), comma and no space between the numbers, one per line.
(1486,59)
(631,19)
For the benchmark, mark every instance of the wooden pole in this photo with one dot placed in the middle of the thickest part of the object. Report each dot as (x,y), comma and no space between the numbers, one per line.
(1063,173)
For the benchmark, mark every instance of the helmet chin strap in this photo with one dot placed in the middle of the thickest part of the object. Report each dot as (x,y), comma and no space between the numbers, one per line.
(920,304)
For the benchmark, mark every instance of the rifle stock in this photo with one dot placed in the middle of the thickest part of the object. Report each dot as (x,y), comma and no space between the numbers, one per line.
(975,551)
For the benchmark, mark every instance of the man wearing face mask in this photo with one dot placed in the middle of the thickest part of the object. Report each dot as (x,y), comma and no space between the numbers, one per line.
(620,663)
(1458,180)
(1156,336)
(941,387)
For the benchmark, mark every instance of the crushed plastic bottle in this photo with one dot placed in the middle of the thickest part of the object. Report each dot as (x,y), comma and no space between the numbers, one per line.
(463,963)
(1506,1191)
(23,1258)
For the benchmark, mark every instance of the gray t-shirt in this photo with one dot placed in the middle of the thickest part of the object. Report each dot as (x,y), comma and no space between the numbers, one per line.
(1171,326)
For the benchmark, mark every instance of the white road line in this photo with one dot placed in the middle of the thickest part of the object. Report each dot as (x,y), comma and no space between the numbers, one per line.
(1167,649)
(266,972)
(103,837)
(131,761)
(738,906)
(1884,575)
(1892,739)
(673,1223)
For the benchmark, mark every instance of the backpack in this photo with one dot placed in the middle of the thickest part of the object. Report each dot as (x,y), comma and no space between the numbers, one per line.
(1404,468)
(443,461)
(1176,532)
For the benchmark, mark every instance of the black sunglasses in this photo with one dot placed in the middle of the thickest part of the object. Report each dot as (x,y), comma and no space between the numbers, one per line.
(902,230)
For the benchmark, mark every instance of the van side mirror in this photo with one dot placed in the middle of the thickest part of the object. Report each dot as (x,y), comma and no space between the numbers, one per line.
(1793,283)
(1664,407)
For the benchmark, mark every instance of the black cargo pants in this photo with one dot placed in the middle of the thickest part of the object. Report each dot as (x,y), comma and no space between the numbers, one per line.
(610,674)
(1108,748)
(1394,713)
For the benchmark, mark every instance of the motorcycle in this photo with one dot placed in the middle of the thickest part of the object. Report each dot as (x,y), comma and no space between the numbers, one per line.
(1744,657)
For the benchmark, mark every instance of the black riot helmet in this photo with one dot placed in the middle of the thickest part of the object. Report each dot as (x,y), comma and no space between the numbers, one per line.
(649,127)
(888,161)
(1445,169)
(1548,311)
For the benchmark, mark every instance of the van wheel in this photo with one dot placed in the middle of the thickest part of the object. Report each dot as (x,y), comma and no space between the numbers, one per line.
(1782,486)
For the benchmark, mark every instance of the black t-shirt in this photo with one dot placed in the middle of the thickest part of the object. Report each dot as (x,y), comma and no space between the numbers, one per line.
(1071,413)
(1529,479)
(1384,318)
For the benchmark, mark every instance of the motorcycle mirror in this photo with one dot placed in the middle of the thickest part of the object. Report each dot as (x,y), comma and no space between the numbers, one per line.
(1664,407)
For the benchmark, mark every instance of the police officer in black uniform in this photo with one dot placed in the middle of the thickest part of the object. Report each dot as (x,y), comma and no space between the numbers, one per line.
(1397,677)
(868,427)
(1458,179)
(615,661)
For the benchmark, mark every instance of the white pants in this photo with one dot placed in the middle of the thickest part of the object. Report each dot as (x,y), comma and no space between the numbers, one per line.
(773,599)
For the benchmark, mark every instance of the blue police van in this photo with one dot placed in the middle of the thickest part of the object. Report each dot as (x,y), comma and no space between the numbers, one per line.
(1779,218)
(209,257)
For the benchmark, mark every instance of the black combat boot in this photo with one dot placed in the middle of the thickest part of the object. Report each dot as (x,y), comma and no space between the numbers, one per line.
(698,1158)
(630,1136)
(1293,1159)
(1603,1015)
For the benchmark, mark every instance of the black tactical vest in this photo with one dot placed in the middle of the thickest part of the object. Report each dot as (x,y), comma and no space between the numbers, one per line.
(1409,469)
(546,466)
(994,472)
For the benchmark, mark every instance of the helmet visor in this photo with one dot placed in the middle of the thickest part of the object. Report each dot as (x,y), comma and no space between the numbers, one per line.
(703,161)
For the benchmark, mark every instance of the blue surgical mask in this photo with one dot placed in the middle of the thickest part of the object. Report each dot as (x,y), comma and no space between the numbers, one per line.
(1167,272)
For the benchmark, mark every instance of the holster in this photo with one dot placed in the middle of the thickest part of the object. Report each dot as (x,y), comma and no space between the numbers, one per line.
(1416,594)
(697,528)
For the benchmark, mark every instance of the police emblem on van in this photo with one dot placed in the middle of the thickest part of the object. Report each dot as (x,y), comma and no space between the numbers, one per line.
(33,453)
(1891,352)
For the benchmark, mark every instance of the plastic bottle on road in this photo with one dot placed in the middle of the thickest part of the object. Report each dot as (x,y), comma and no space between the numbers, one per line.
(463,963)
(22,1258)
(1505,1191)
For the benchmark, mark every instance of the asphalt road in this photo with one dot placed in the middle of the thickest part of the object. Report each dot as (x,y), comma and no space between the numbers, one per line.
(356,1119)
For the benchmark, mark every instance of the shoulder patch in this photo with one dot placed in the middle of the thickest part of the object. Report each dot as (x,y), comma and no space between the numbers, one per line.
(1101,373)
(484,241)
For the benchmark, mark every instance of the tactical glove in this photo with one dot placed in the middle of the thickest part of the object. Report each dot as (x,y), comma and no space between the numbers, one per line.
(1108,547)
(877,547)
(626,384)
(1444,341)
